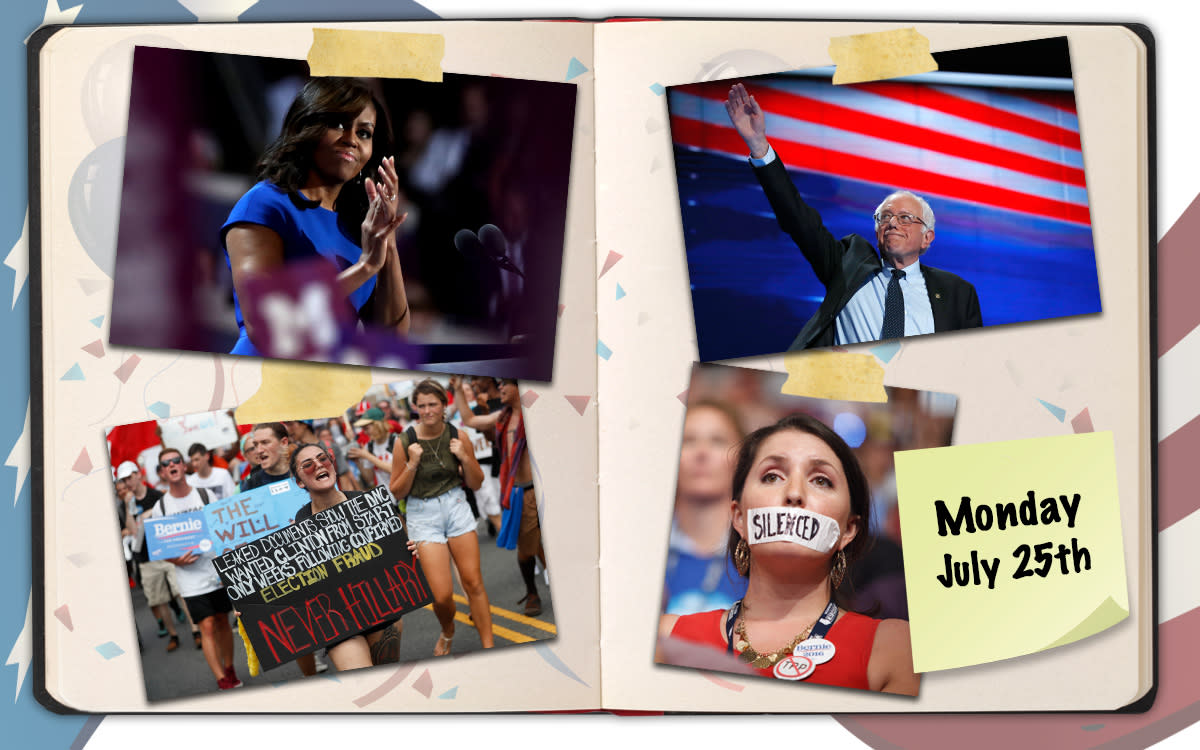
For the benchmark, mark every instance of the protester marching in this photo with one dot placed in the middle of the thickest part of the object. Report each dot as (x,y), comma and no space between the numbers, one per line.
(250,524)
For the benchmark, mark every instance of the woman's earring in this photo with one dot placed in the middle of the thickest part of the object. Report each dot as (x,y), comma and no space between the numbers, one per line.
(839,569)
(741,557)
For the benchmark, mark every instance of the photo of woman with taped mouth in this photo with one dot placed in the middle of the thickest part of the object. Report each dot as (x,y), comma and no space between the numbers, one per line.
(801,517)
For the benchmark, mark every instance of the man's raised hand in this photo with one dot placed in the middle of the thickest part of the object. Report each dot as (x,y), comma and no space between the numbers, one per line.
(747,118)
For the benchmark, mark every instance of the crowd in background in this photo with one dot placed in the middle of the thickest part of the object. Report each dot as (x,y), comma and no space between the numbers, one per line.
(362,442)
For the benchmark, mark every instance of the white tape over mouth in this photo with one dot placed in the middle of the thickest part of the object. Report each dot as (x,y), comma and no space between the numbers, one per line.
(796,525)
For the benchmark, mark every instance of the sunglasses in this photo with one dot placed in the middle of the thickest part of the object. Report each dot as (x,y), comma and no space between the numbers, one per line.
(169,461)
(309,466)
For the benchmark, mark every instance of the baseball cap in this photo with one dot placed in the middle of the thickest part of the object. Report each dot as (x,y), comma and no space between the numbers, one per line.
(374,414)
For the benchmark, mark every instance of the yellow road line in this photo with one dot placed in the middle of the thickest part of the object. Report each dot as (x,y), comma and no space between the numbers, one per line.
(547,627)
(497,630)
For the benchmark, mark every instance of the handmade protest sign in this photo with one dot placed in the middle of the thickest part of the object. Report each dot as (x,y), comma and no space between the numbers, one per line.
(328,577)
(793,525)
(251,515)
(174,536)
(1010,548)
(212,429)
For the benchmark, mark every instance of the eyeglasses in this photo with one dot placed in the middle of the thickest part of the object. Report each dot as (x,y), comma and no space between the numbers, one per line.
(169,461)
(903,220)
(310,465)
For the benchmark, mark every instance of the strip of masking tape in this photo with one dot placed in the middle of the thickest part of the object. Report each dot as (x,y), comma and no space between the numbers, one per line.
(794,525)
(303,390)
(376,54)
(884,54)
(837,375)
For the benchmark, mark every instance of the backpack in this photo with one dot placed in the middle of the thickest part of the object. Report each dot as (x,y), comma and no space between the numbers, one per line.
(158,503)
(410,436)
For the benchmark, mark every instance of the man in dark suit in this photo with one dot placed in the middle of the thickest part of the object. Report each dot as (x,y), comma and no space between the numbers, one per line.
(869,295)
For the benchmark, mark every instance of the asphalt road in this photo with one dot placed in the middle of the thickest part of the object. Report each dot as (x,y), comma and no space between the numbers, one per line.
(184,672)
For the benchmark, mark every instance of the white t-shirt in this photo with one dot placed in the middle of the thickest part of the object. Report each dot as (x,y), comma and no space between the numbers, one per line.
(383,452)
(200,577)
(219,483)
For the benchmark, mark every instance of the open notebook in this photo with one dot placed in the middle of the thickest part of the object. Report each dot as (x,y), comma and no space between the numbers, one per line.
(605,430)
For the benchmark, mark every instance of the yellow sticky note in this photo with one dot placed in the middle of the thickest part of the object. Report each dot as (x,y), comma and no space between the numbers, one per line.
(376,54)
(885,54)
(836,375)
(303,390)
(1010,548)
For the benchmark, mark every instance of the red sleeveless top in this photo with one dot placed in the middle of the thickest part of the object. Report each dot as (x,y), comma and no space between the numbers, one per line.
(853,635)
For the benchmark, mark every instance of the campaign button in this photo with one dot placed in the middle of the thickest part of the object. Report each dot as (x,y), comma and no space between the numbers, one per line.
(817,649)
(794,668)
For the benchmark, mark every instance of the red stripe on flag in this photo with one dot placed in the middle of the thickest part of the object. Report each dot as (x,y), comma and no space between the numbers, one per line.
(800,156)
(931,98)
(805,108)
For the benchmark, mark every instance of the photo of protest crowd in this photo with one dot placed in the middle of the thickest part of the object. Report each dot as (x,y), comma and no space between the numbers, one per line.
(737,427)
(384,534)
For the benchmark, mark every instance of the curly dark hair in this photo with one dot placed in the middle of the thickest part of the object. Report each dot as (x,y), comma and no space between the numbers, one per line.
(856,480)
(324,103)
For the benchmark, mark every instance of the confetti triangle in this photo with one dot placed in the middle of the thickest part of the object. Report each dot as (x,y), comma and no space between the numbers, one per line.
(79,559)
(424,684)
(91,286)
(579,402)
(658,89)
(643,317)
(1082,422)
(527,398)
(109,650)
(653,125)
(609,262)
(603,350)
(96,348)
(551,658)
(560,310)
(885,352)
(1059,413)
(1013,372)
(683,396)
(74,373)
(97,321)
(574,68)
(655,165)
(450,694)
(620,292)
(159,409)
(64,616)
(83,464)
(127,367)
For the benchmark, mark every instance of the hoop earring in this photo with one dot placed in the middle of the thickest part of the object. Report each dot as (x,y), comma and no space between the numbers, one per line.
(741,557)
(838,572)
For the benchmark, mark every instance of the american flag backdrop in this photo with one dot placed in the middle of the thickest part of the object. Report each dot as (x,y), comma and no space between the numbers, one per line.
(998,158)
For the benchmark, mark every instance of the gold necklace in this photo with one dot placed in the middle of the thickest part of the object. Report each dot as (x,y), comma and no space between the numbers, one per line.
(432,446)
(747,653)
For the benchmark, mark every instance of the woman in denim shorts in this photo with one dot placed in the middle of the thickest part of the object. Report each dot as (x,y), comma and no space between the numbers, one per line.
(431,472)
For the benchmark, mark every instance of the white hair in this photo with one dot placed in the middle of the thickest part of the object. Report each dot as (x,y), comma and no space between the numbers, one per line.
(926,210)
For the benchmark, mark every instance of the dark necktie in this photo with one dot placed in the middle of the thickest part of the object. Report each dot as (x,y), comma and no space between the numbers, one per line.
(893,308)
